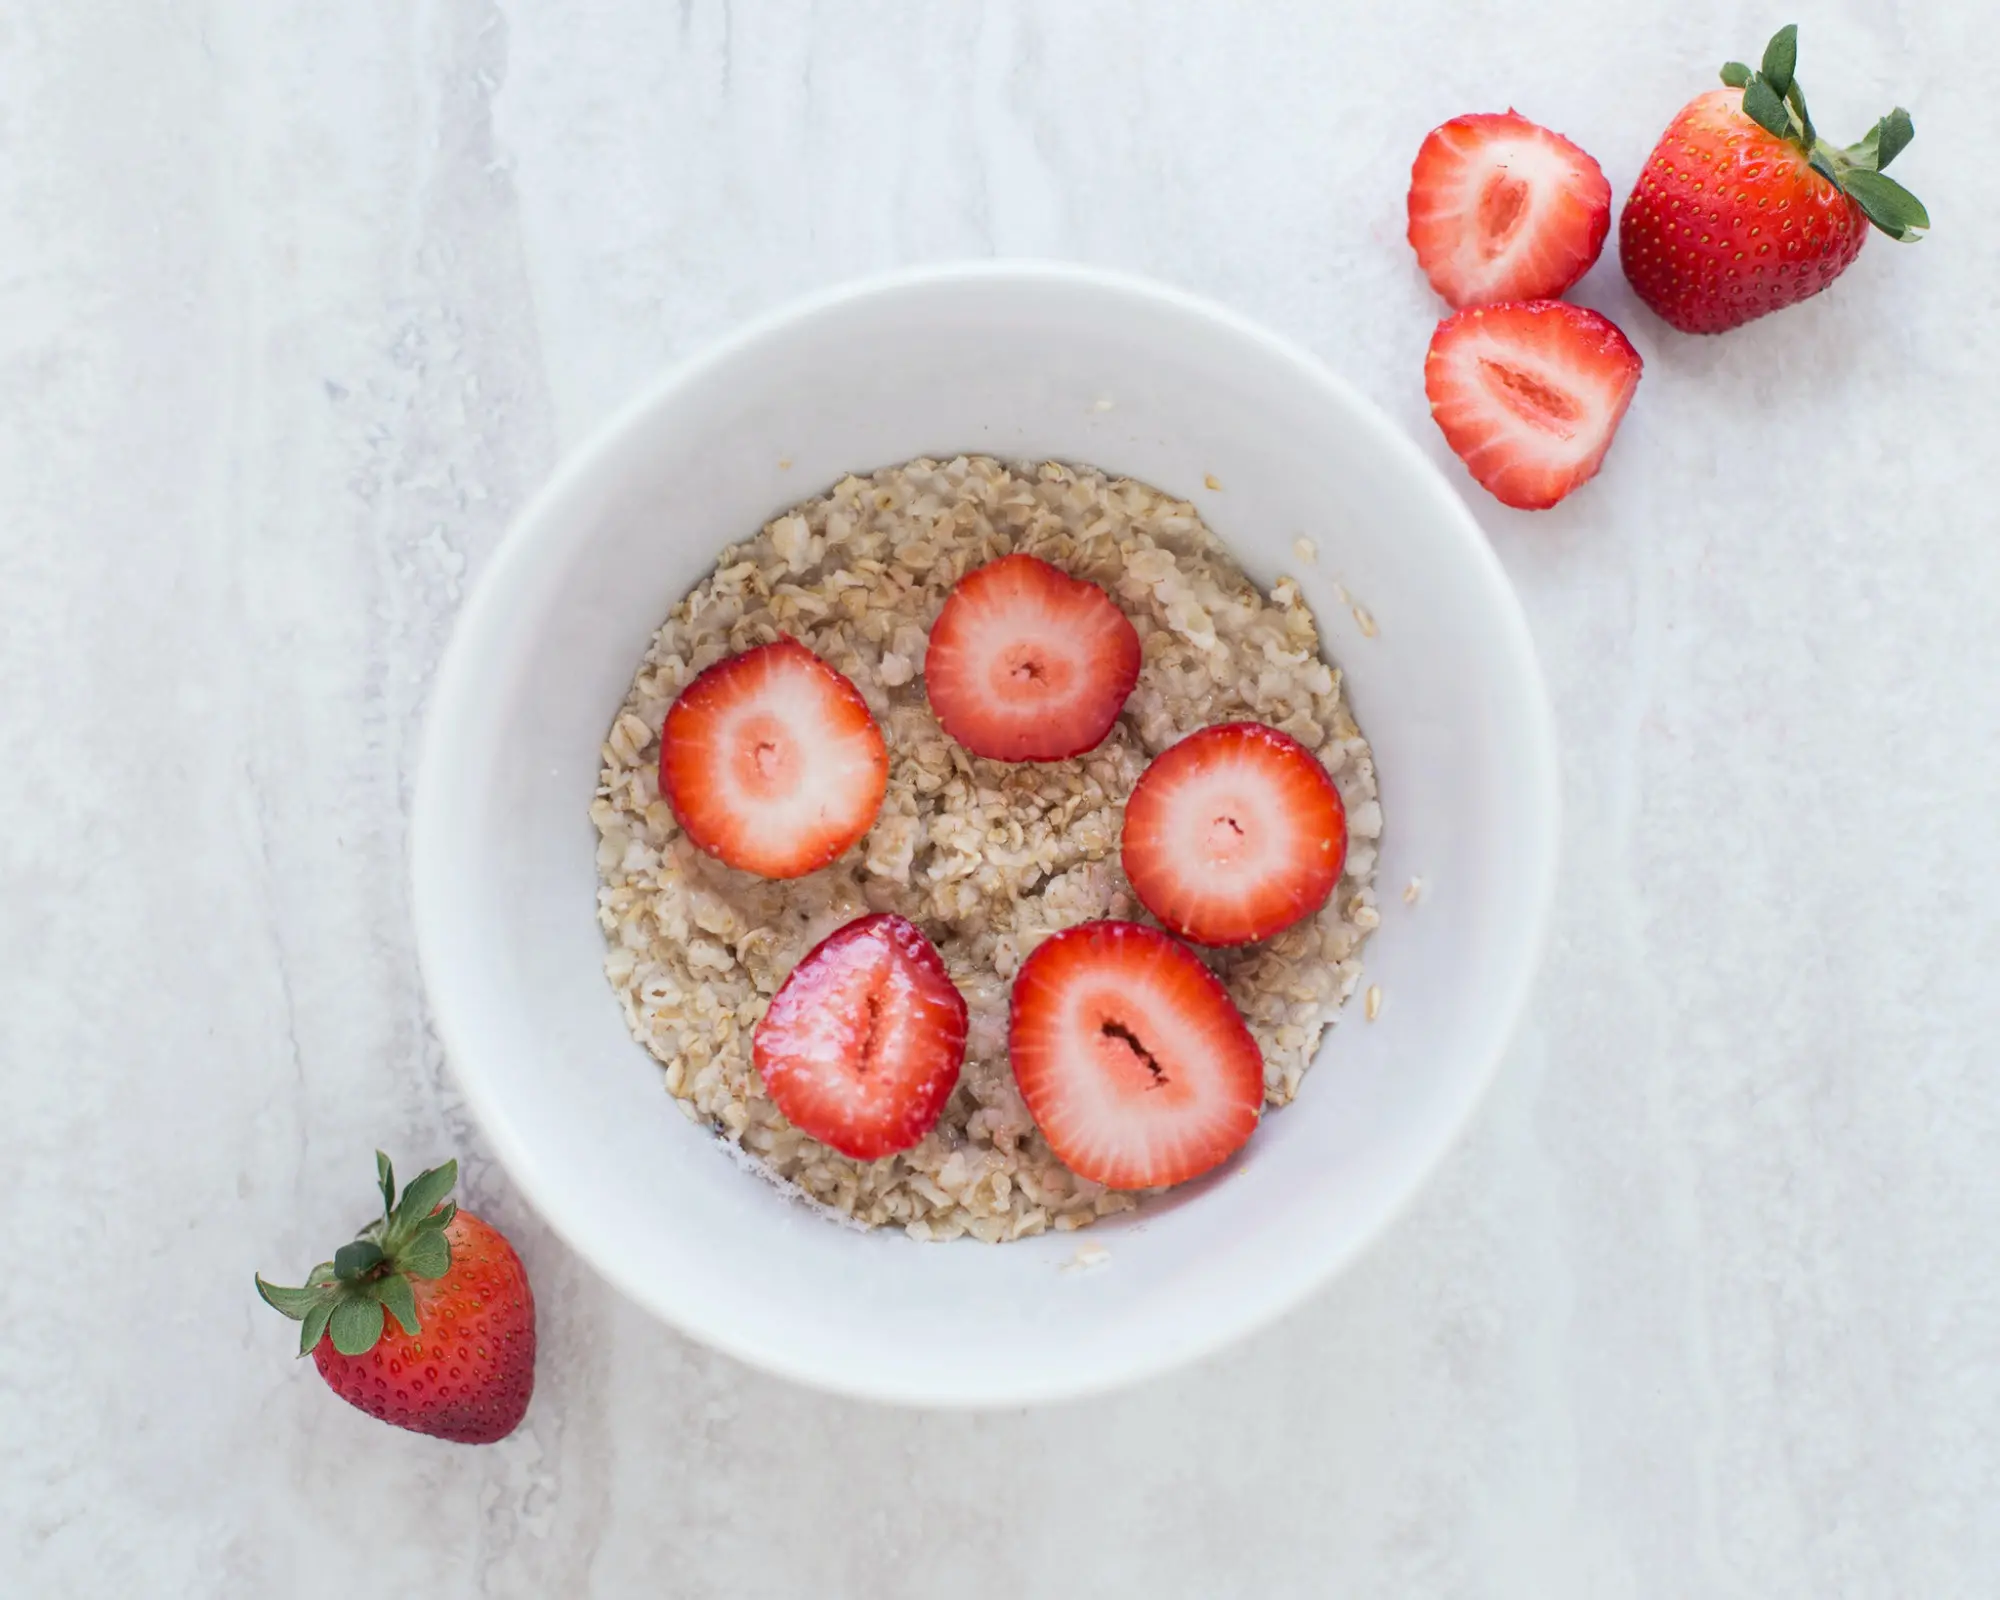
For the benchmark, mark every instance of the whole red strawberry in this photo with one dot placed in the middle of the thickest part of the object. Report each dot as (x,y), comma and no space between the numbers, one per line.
(425,1320)
(1743,209)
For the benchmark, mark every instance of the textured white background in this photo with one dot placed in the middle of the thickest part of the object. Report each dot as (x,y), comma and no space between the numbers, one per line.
(298,301)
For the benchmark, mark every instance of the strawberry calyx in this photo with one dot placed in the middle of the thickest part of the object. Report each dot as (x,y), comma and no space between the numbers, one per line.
(1774,101)
(370,1275)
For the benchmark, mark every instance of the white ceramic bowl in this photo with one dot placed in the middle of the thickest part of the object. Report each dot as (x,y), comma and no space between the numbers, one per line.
(1016,360)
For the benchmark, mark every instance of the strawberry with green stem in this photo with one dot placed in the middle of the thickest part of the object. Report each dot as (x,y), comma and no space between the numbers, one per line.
(1743,209)
(425,1319)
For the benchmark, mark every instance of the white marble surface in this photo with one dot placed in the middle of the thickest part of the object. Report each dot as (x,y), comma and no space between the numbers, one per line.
(297,302)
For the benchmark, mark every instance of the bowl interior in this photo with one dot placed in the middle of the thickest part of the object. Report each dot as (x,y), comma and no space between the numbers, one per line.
(1021,363)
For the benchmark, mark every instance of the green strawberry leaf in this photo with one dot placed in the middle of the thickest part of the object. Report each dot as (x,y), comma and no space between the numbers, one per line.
(385,1180)
(1888,139)
(1763,107)
(1781,58)
(1735,74)
(357,1260)
(1820,163)
(423,1194)
(356,1325)
(428,1255)
(439,1219)
(394,1293)
(315,1326)
(1795,97)
(1897,130)
(1890,206)
(294,1303)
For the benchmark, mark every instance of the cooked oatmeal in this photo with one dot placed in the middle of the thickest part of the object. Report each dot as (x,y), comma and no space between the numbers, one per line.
(986,857)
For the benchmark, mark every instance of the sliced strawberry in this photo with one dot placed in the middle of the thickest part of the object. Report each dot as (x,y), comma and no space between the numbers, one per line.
(1503,209)
(1029,664)
(1233,834)
(772,762)
(1530,395)
(862,1044)
(1131,1057)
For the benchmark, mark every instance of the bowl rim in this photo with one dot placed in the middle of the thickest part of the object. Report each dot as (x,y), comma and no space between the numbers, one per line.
(545,513)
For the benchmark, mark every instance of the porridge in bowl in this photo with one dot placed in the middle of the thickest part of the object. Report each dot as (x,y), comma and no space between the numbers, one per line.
(977,863)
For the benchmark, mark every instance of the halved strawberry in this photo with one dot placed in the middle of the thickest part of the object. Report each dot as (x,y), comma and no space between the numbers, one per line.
(862,1043)
(772,762)
(1234,834)
(1503,209)
(1131,1057)
(1026,663)
(1529,395)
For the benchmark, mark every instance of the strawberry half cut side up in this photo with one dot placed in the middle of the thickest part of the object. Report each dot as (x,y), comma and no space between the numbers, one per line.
(1026,663)
(1131,1057)
(1743,209)
(862,1043)
(1502,209)
(1530,395)
(772,761)
(425,1320)
(1234,834)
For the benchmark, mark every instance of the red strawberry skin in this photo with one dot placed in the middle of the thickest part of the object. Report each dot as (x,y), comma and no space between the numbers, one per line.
(772,761)
(1131,1057)
(1530,395)
(1234,834)
(862,1044)
(1501,208)
(1728,223)
(1026,663)
(469,1373)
